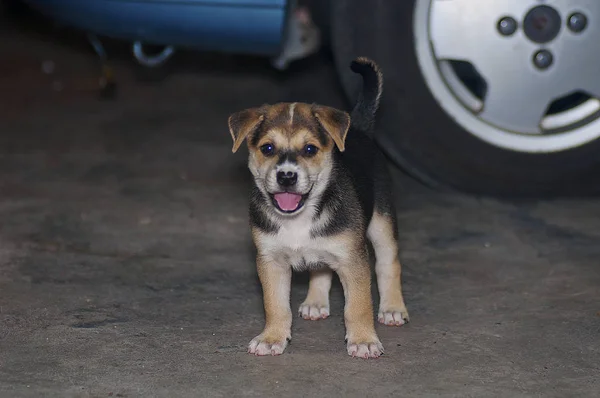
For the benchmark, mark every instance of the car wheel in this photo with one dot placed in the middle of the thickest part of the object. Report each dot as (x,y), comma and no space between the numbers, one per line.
(500,98)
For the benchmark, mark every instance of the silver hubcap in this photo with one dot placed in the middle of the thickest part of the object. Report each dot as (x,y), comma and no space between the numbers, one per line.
(534,70)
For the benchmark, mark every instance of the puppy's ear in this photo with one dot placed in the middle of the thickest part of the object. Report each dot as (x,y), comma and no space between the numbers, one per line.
(335,122)
(242,123)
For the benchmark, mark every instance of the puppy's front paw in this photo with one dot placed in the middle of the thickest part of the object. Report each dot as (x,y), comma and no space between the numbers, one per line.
(366,349)
(393,316)
(268,344)
(313,310)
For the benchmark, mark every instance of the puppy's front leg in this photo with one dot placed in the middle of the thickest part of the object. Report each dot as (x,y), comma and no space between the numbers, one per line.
(358,312)
(276,283)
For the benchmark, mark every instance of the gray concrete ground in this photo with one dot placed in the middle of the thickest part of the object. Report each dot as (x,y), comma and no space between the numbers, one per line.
(126,266)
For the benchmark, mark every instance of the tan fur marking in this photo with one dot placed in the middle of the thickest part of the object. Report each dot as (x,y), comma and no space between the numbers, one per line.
(302,137)
(392,310)
(275,280)
(335,122)
(275,136)
(241,124)
(358,311)
(355,274)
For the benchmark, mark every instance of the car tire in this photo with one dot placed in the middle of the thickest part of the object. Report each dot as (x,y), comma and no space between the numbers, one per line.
(421,138)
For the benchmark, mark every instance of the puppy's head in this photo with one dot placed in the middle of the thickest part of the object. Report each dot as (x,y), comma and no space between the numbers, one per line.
(291,148)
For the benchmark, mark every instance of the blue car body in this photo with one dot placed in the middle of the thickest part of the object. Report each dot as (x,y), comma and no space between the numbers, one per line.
(235,26)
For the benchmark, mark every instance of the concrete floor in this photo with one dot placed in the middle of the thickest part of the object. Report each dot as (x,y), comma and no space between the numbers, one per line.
(126,266)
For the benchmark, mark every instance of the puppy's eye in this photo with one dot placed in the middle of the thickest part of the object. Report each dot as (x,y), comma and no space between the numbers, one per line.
(310,150)
(267,149)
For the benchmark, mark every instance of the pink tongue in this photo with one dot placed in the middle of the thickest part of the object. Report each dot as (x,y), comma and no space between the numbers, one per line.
(287,201)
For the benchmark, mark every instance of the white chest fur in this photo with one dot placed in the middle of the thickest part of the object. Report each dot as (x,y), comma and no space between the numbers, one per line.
(294,246)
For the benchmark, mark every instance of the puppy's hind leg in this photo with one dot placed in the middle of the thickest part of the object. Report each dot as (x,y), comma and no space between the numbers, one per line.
(382,234)
(316,304)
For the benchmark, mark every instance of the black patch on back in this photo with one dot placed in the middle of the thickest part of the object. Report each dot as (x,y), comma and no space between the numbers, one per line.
(359,159)
(360,183)
(384,201)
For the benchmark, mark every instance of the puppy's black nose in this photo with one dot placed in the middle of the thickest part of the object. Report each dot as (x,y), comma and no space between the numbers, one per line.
(287,178)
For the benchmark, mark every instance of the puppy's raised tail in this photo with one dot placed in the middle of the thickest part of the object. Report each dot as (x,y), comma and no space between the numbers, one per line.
(363,114)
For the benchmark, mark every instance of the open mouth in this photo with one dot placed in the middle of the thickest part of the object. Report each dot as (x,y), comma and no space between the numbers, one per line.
(288,202)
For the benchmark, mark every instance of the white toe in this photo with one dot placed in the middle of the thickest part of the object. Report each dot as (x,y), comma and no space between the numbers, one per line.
(313,311)
(365,350)
(260,347)
(393,318)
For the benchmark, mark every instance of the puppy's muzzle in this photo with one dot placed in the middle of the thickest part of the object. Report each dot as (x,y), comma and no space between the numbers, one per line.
(287,201)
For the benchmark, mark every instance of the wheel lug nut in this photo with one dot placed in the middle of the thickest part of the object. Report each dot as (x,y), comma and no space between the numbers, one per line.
(577,22)
(507,26)
(543,59)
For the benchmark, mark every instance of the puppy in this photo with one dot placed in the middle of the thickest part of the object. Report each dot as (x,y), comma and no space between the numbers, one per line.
(321,189)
